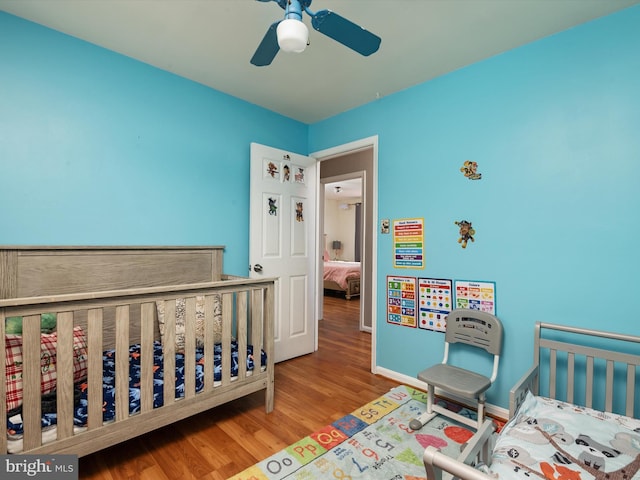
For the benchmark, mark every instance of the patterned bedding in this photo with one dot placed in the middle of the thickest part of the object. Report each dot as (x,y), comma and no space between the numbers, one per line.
(556,440)
(14,423)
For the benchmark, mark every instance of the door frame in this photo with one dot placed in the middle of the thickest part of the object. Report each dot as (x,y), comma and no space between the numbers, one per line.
(371,276)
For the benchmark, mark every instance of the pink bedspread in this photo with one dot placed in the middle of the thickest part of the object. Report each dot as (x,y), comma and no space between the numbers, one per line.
(339,272)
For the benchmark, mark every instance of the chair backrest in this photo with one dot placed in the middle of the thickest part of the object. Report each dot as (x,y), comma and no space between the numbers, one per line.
(476,328)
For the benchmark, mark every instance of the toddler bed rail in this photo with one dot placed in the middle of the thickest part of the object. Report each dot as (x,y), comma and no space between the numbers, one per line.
(589,372)
(142,337)
(568,367)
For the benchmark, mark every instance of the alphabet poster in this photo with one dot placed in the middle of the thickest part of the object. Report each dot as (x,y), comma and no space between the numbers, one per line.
(401,301)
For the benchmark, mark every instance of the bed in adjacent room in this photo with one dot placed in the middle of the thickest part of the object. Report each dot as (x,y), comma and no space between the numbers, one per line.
(342,277)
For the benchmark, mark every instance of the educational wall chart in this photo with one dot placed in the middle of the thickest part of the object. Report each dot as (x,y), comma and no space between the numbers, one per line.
(408,243)
(476,295)
(435,303)
(401,301)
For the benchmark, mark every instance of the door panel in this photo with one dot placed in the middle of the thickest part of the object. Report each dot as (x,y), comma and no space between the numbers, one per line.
(282,242)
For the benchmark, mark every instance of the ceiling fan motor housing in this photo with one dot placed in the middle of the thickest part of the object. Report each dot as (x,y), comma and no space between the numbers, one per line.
(293,35)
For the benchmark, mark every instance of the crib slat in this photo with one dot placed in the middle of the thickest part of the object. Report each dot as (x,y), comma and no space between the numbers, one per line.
(31,372)
(552,373)
(122,362)
(256,319)
(146,356)
(609,387)
(190,348)
(209,305)
(241,327)
(570,376)
(589,384)
(169,352)
(631,388)
(64,373)
(227,318)
(94,363)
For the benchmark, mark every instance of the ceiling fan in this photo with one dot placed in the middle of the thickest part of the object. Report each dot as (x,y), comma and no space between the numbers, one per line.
(291,34)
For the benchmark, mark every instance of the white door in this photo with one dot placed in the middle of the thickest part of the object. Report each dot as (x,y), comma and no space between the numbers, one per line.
(282,243)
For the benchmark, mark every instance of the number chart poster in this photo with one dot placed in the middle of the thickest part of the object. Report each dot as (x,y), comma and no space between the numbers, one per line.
(408,243)
(436,302)
(476,295)
(401,301)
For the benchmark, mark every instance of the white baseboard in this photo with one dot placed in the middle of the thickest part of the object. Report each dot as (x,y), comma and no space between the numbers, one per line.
(493,410)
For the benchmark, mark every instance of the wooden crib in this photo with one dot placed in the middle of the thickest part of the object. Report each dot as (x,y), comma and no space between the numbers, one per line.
(106,299)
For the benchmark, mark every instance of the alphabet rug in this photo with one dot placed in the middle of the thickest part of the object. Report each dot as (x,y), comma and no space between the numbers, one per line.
(373,442)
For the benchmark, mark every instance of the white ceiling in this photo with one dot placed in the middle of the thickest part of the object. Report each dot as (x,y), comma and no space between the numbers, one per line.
(347,190)
(212,41)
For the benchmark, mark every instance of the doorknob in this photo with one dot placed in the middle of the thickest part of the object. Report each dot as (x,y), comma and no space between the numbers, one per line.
(257,268)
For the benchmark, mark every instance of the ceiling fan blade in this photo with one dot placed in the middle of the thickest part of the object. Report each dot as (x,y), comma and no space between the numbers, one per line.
(268,48)
(346,32)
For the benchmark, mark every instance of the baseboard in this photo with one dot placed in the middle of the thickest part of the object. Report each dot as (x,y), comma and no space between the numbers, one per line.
(492,410)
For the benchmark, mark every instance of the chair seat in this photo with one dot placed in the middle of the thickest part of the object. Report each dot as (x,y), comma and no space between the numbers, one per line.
(456,380)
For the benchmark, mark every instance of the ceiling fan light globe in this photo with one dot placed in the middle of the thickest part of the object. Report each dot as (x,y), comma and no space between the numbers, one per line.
(292,35)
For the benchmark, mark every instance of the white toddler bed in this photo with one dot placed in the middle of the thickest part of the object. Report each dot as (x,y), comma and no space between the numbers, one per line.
(573,415)
(141,337)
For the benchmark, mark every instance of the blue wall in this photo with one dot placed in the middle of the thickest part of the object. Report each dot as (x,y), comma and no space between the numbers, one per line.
(555,129)
(96,148)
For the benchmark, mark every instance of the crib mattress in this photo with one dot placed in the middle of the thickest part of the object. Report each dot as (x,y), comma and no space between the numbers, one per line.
(49,420)
(553,439)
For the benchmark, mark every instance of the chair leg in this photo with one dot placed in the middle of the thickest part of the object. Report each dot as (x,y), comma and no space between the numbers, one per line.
(426,417)
(422,420)
(480,412)
(431,393)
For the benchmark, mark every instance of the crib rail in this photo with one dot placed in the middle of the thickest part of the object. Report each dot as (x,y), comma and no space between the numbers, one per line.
(116,319)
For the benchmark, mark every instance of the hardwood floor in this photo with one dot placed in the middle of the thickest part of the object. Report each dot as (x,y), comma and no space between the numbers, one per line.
(311,392)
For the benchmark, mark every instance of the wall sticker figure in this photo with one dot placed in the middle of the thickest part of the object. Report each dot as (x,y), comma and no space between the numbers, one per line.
(466,232)
(299,214)
(272,169)
(273,208)
(470,170)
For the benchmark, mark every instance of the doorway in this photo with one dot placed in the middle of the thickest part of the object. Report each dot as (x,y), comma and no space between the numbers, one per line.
(343,238)
(354,159)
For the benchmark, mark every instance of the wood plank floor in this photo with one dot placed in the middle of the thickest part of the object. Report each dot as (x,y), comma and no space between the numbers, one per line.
(311,392)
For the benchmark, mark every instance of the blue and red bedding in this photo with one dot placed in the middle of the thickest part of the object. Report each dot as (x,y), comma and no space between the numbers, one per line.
(14,423)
